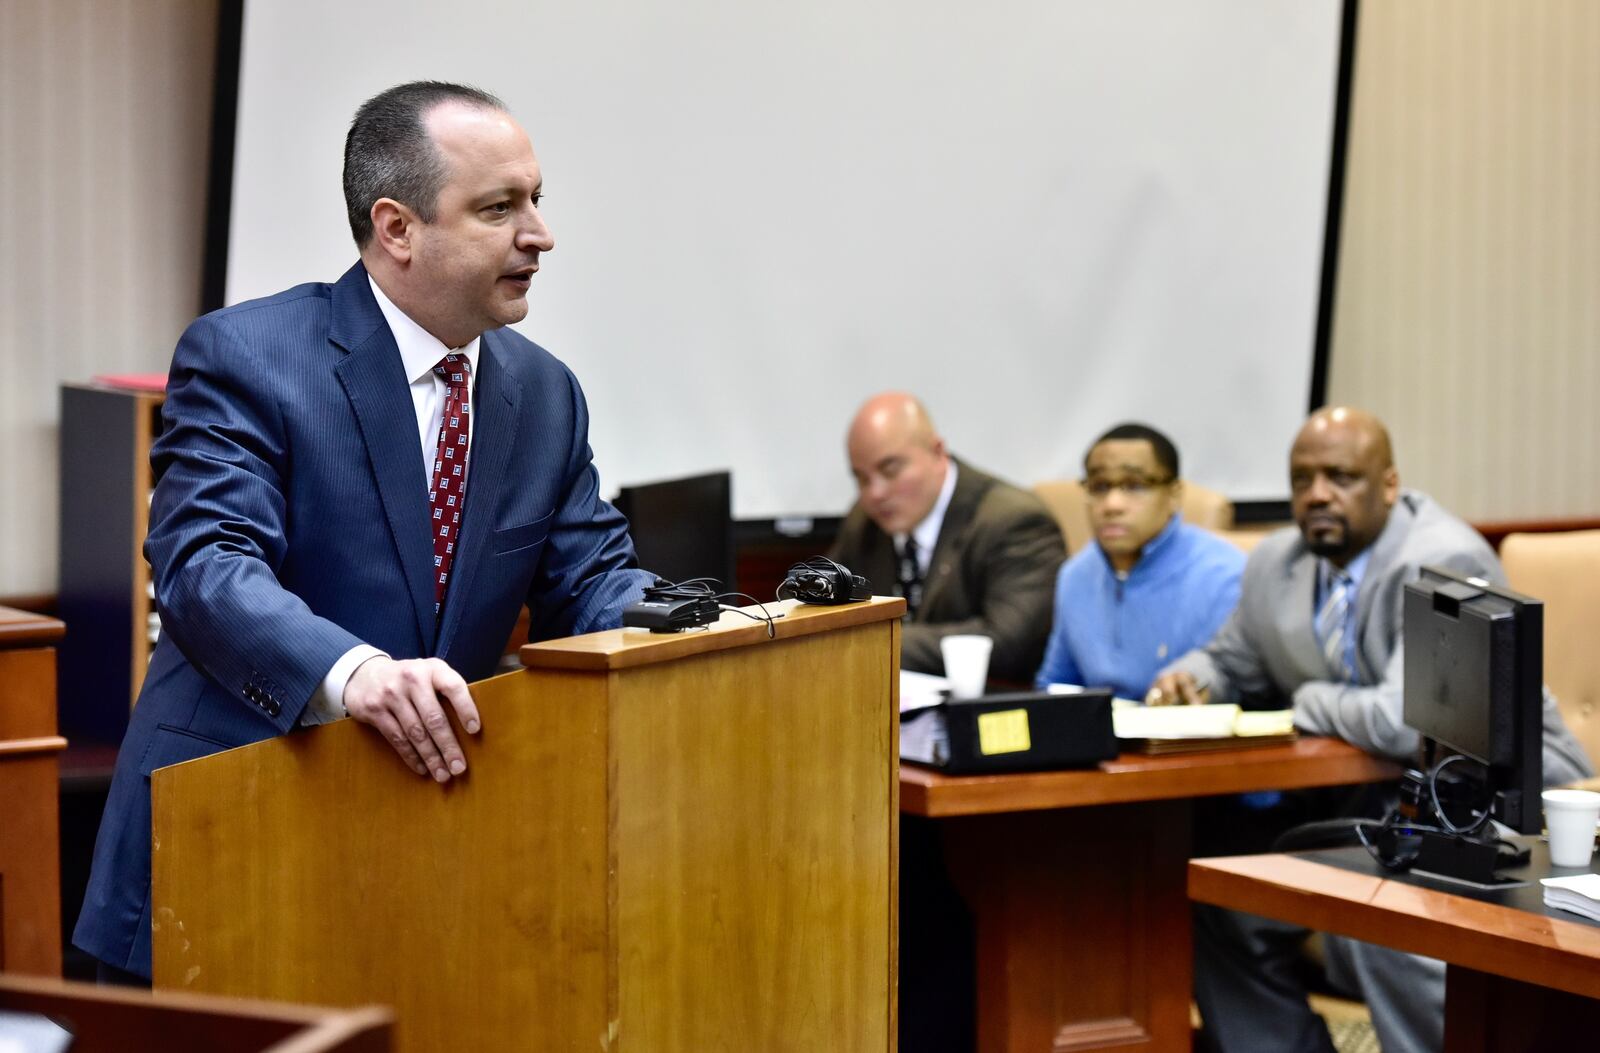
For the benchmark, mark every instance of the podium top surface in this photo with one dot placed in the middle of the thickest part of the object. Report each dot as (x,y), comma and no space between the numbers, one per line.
(626,648)
(22,628)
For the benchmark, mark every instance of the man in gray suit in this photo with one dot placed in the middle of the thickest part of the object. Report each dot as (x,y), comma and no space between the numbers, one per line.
(1318,627)
(970,554)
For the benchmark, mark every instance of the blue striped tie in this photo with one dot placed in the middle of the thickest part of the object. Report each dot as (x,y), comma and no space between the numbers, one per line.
(1333,621)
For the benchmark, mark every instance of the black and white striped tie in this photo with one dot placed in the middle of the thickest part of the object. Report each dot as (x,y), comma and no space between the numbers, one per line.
(908,576)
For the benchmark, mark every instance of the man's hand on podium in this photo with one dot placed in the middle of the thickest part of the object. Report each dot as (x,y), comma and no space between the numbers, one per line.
(402,699)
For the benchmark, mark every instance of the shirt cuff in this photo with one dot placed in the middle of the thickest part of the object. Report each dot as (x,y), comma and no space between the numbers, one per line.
(327,703)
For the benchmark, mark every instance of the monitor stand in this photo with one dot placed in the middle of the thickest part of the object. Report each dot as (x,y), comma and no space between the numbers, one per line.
(1475,860)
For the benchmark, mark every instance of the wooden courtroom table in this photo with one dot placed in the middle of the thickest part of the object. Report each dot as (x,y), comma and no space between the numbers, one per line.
(1075,880)
(30,882)
(1521,977)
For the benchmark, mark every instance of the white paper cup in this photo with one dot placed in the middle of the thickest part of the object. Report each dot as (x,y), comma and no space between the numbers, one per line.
(1570,816)
(966,664)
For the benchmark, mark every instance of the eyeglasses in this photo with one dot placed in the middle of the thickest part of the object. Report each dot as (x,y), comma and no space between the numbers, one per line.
(1134,488)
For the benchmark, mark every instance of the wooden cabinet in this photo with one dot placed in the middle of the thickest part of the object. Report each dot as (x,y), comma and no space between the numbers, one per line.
(30,905)
(105,591)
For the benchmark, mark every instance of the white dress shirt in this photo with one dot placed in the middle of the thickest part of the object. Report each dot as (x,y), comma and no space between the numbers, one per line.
(926,533)
(420,351)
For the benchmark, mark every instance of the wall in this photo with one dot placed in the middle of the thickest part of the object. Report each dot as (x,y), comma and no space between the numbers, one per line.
(1468,313)
(105,110)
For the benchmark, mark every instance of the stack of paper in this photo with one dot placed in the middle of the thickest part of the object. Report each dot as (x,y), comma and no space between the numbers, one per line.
(921,690)
(31,1033)
(922,729)
(1182,729)
(1580,894)
(925,738)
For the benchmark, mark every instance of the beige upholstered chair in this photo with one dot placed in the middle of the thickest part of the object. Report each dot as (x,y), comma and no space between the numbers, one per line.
(1070,505)
(1563,570)
(1244,540)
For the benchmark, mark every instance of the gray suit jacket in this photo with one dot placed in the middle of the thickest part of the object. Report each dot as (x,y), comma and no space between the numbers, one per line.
(1267,651)
(993,572)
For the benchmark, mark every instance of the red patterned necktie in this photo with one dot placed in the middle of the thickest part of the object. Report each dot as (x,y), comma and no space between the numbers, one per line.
(447,491)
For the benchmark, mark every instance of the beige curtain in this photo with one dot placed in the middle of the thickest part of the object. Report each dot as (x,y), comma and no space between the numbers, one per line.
(105,110)
(1468,313)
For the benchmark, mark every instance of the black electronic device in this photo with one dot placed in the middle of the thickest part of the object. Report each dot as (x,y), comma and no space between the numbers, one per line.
(671,614)
(673,606)
(682,527)
(1018,731)
(824,581)
(1474,674)
(1474,684)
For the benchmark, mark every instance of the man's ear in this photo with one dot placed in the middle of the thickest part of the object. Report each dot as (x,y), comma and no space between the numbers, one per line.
(393,225)
(1391,486)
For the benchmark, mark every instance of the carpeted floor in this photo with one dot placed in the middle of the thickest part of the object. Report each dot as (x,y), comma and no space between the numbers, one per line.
(1349,1024)
(1353,1036)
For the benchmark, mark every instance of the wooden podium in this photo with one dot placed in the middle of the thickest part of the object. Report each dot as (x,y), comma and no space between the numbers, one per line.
(662,843)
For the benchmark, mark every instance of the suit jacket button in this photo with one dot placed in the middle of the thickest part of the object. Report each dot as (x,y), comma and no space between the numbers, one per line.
(273,709)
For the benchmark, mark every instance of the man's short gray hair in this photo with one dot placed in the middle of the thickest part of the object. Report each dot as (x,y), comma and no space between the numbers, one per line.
(388,152)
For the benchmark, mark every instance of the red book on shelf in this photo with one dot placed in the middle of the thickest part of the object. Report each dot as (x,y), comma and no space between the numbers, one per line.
(133,381)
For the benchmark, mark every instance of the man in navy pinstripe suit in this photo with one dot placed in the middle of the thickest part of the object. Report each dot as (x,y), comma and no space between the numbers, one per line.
(319,550)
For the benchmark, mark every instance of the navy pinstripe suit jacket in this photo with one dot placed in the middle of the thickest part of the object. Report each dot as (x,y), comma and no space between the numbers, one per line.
(290,522)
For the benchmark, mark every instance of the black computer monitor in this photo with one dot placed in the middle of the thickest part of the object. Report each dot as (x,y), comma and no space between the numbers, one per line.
(1474,673)
(683,528)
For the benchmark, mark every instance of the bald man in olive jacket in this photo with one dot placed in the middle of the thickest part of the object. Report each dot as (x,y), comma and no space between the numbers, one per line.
(986,552)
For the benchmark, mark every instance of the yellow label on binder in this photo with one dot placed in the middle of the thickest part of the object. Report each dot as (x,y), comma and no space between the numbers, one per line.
(1003,732)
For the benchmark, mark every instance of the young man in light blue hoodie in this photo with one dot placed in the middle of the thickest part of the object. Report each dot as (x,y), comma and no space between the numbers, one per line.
(1151,587)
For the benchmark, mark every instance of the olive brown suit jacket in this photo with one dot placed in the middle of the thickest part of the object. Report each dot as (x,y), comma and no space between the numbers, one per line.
(992,572)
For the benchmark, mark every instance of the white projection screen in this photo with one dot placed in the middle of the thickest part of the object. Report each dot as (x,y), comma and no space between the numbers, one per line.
(1043,216)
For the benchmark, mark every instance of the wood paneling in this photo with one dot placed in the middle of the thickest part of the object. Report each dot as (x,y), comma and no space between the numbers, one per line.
(1497,531)
(700,847)
(453,896)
